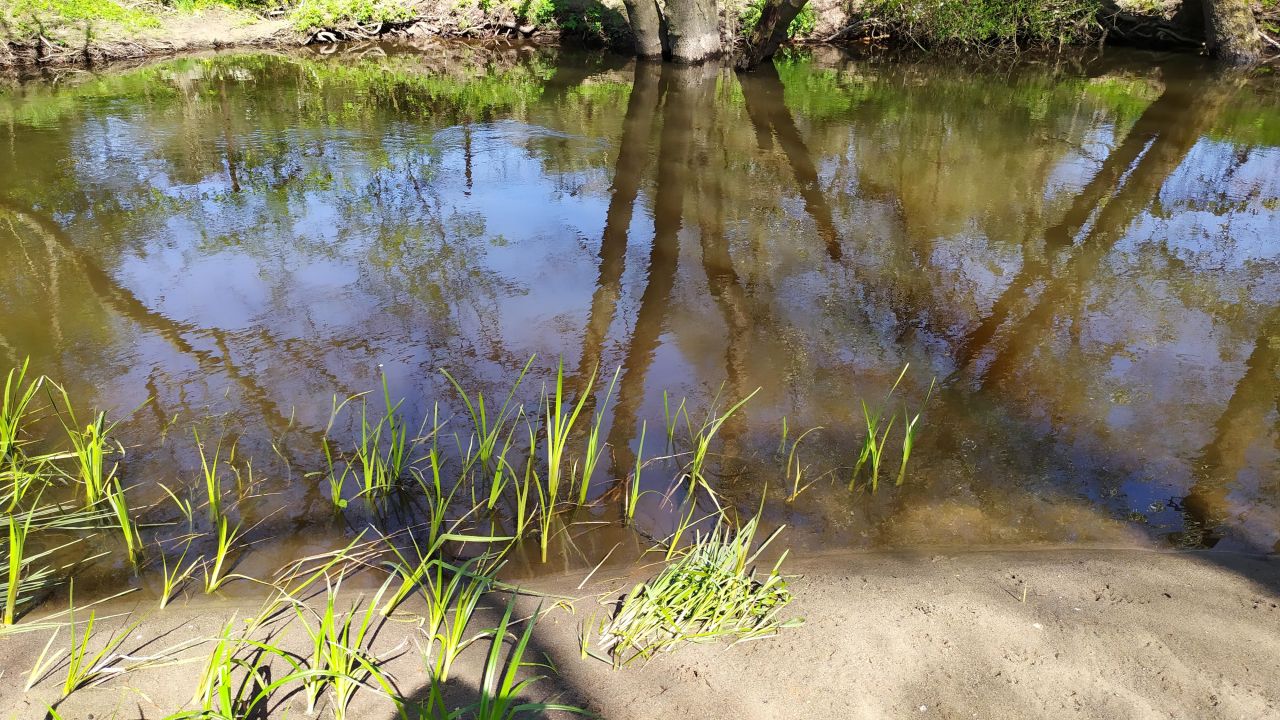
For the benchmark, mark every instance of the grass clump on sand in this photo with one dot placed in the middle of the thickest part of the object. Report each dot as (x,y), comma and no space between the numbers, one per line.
(709,593)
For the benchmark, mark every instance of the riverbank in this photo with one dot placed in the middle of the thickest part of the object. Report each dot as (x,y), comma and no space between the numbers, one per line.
(1004,634)
(61,32)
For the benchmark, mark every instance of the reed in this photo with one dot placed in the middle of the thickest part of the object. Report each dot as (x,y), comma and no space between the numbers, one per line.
(877,436)
(702,445)
(85,668)
(17,564)
(460,596)
(90,449)
(909,435)
(210,475)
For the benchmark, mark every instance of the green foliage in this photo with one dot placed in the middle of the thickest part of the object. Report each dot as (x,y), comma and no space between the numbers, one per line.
(980,22)
(801,26)
(328,14)
(31,17)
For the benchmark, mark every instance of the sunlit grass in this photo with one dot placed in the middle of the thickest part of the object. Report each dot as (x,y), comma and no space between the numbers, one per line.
(710,592)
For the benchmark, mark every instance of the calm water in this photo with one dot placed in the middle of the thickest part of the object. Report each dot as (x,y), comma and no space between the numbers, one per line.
(1084,253)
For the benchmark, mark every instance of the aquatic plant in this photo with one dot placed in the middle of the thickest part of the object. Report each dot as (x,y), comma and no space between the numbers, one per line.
(909,436)
(794,471)
(592,455)
(632,497)
(174,579)
(17,564)
(877,436)
(15,404)
(115,499)
(710,592)
(702,444)
(215,573)
(489,434)
(89,447)
(212,478)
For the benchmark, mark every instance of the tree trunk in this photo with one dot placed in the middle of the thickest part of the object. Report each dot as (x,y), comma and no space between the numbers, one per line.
(1231,32)
(770,32)
(693,29)
(646,26)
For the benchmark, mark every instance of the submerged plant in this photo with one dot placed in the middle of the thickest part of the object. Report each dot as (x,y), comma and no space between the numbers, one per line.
(702,445)
(794,471)
(710,592)
(877,436)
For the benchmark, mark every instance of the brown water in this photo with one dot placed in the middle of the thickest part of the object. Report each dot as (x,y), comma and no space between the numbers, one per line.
(1084,252)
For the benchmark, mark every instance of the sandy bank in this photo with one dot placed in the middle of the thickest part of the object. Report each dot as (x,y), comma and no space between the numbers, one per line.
(1101,634)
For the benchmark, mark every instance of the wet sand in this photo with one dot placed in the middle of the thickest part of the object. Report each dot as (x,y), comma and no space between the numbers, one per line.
(1100,634)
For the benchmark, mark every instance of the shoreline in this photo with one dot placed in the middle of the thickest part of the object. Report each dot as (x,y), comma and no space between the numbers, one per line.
(1097,634)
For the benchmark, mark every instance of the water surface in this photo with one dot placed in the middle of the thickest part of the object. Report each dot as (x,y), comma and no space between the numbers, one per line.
(1082,252)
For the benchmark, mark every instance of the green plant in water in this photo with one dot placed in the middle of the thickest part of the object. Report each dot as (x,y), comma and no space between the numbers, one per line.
(215,574)
(702,445)
(632,499)
(90,448)
(174,579)
(794,471)
(909,436)
(212,479)
(592,456)
(15,404)
(120,507)
(560,419)
(378,470)
(877,436)
(489,434)
(710,592)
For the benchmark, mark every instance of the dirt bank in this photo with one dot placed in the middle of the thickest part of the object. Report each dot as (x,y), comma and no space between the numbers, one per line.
(1100,634)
